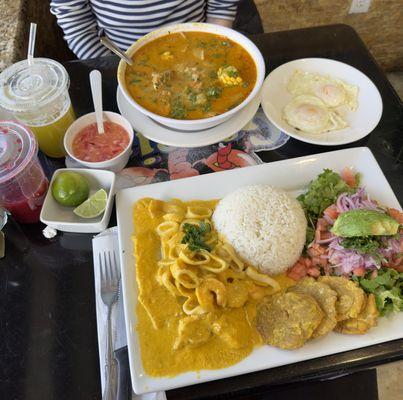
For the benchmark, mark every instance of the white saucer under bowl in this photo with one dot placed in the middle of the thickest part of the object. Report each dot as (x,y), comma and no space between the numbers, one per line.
(162,134)
(361,122)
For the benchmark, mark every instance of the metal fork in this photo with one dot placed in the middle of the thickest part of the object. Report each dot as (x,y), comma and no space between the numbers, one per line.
(109,292)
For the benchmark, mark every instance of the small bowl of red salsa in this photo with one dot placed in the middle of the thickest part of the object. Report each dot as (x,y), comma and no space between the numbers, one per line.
(110,150)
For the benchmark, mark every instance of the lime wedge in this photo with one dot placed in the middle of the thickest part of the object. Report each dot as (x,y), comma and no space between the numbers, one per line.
(93,206)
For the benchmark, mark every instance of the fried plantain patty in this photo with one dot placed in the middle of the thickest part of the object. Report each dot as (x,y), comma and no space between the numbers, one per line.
(325,297)
(364,322)
(287,320)
(350,297)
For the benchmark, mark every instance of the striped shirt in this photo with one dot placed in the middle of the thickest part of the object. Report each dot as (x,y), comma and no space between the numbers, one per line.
(124,21)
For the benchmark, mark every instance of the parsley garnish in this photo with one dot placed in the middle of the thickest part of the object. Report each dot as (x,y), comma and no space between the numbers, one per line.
(207,107)
(195,236)
(363,244)
(232,73)
(322,192)
(192,97)
(213,91)
(310,234)
(178,110)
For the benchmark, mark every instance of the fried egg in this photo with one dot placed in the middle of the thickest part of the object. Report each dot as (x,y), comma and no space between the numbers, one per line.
(310,114)
(333,92)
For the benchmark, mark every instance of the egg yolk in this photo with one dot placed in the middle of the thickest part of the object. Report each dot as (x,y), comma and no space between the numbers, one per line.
(310,113)
(331,94)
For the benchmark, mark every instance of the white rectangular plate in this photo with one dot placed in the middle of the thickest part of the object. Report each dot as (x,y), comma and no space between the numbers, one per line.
(293,175)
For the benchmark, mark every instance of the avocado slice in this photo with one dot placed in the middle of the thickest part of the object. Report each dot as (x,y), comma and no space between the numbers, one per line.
(364,223)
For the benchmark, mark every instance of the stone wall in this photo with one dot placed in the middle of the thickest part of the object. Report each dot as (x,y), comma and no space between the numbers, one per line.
(10,15)
(15,16)
(381,28)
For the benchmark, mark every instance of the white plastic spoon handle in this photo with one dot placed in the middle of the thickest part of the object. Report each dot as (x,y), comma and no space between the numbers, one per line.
(96,90)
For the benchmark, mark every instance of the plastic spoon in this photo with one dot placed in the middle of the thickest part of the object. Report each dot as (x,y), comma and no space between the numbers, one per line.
(31,43)
(96,90)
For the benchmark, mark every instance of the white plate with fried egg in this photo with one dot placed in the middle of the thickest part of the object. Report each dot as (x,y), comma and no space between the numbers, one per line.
(321,101)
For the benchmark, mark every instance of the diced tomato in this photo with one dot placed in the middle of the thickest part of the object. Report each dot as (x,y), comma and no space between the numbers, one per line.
(396,267)
(396,214)
(359,271)
(312,252)
(325,235)
(304,266)
(314,272)
(399,268)
(321,227)
(322,262)
(319,261)
(315,250)
(348,177)
(297,271)
(321,234)
(331,211)
(396,263)
(308,262)
(89,145)
(374,274)
(322,224)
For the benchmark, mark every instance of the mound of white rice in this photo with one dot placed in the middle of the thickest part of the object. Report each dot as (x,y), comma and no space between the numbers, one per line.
(265,225)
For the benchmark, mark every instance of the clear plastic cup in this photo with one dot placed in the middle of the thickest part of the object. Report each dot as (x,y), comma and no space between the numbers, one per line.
(37,95)
(23,184)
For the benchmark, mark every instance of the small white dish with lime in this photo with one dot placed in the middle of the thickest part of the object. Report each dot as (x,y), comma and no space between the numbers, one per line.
(79,200)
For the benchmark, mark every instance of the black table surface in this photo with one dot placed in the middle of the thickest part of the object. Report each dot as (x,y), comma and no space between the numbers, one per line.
(48,338)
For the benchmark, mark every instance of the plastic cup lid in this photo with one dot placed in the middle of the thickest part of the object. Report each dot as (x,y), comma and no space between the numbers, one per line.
(17,148)
(24,87)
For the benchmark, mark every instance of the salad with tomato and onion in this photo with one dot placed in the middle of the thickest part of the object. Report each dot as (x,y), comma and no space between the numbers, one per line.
(350,234)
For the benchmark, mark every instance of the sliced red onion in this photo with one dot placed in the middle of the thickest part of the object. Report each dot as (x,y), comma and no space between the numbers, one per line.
(343,261)
(358,200)
(325,241)
(341,207)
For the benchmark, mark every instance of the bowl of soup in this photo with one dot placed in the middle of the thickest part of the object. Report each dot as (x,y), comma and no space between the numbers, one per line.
(192,76)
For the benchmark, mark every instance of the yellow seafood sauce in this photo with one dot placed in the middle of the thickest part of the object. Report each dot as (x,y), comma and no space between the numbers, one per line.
(50,137)
(235,336)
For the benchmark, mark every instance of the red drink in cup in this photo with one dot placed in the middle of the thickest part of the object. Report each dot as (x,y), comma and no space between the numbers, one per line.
(23,184)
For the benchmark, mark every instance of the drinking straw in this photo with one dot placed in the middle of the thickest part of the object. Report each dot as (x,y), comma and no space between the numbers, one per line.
(31,43)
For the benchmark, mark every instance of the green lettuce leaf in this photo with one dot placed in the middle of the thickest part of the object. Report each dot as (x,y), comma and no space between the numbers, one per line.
(387,287)
(389,301)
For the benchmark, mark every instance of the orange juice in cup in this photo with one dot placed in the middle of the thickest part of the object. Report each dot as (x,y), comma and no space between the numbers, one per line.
(37,95)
